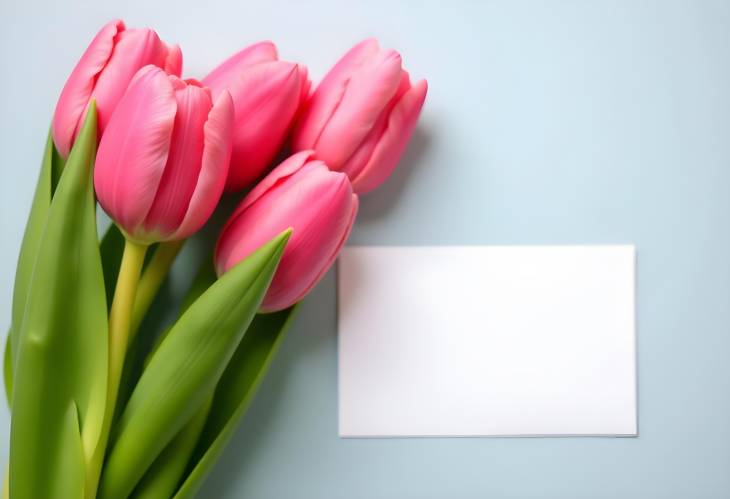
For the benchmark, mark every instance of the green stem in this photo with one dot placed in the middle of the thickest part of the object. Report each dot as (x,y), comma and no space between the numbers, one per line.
(152,279)
(120,315)
(120,322)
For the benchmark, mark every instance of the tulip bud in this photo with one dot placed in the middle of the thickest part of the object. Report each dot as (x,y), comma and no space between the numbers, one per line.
(103,73)
(362,115)
(163,160)
(267,94)
(320,207)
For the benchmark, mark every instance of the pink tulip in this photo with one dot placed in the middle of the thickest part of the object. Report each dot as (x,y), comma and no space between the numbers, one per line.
(103,73)
(266,94)
(163,160)
(362,115)
(305,195)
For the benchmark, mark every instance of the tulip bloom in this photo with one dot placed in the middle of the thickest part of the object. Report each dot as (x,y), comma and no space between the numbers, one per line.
(301,193)
(267,94)
(103,73)
(362,115)
(163,161)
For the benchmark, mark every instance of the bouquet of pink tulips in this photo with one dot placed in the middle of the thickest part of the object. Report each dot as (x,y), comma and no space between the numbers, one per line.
(157,153)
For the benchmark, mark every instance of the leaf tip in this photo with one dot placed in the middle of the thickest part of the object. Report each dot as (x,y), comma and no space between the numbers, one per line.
(89,128)
(279,242)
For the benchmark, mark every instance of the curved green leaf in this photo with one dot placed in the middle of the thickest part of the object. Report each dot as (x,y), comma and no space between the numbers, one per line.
(71,467)
(234,393)
(51,164)
(163,477)
(8,370)
(62,347)
(185,369)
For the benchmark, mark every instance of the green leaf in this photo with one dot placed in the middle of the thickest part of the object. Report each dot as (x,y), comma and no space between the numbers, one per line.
(185,369)
(163,477)
(232,397)
(62,347)
(29,251)
(8,370)
(71,468)
(234,393)
(204,279)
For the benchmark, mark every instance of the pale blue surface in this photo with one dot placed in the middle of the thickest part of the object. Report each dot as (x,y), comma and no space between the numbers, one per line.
(583,122)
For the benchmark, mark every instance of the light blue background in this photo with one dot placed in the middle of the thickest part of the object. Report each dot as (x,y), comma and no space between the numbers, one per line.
(546,123)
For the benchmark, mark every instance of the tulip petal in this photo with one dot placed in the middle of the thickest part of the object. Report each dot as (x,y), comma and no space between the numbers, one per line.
(359,159)
(287,168)
(322,222)
(258,214)
(278,301)
(184,161)
(326,97)
(368,92)
(220,77)
(266,99)
(174,60)
(212,178)
(317,204)
(390,148)
(133,151)
(79,86)
(134,49)
(306,84)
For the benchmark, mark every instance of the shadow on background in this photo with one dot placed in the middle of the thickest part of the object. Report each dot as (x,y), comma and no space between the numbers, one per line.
(378,203)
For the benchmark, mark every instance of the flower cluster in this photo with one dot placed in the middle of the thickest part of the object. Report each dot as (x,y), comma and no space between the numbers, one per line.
(169,147)
(157,152)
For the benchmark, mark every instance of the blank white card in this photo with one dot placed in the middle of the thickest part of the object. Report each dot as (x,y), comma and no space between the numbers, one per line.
(487,341)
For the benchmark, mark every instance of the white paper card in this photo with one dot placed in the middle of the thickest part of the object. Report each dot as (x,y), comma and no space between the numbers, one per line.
(487,341)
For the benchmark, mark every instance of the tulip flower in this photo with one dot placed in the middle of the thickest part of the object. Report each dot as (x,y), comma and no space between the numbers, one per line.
(361,116)
(301,193)
(163,160)
(160,170)
(267,93)
(103,73)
